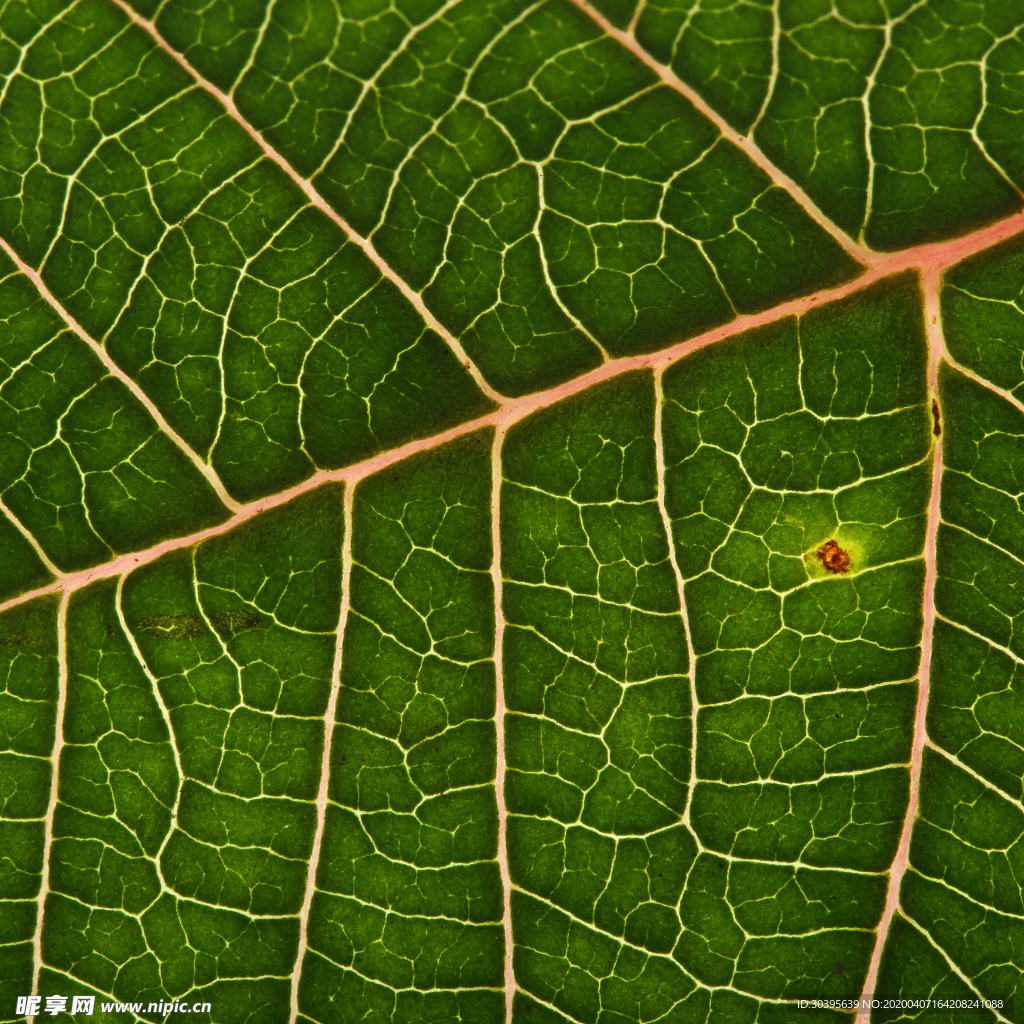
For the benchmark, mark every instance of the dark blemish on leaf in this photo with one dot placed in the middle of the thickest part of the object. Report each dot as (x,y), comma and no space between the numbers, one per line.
(21,640)
(172,627)
(937,429)
(833,558)
(110,629)
(237,620)
(192,627)
(839,967)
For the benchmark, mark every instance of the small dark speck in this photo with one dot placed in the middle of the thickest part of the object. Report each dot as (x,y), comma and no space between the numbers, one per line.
(839,968)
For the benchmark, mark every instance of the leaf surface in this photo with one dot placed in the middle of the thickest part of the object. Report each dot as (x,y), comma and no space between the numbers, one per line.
(511,512)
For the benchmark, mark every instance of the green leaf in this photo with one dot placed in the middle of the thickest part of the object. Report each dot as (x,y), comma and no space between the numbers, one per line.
(511,512)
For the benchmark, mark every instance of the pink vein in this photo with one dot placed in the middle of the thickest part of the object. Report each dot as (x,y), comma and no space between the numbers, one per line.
(58,746)
(511,410)
(942,255)
(115,371)
(936,351)
(315,198)
(659,464)
(747,145)
(499,722)
(325,763)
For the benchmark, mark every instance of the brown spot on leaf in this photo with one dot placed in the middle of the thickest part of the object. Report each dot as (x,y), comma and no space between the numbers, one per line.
(833,557)
(236,620)
(172,627)
(21,639)
(937,429)
(192,627)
